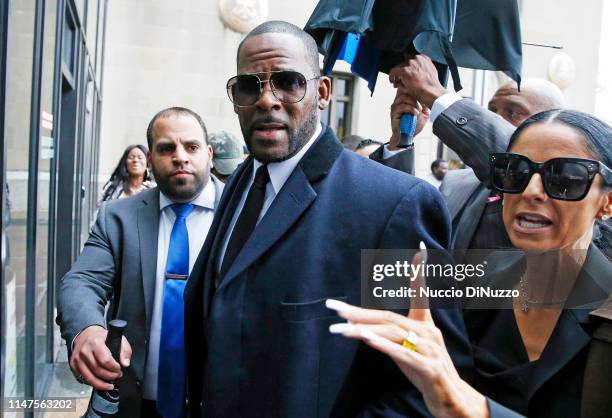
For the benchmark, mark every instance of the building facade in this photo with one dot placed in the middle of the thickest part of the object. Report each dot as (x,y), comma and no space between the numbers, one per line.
(51,60)
(80,80)
(161,54)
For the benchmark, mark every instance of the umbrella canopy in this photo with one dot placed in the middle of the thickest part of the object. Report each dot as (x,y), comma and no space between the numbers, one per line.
(481,34)
(488,36)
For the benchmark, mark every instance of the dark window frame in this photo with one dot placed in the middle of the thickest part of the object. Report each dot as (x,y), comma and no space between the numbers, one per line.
(347,100)
(3,62)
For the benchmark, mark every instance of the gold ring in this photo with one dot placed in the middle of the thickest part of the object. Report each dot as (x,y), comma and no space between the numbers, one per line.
(410,342)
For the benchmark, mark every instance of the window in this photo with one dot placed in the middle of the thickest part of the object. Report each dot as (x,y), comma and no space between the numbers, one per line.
(338,113)
(69,47)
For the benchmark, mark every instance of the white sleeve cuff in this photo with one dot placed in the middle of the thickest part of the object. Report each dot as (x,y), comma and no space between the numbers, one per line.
(442,103)
(387,153)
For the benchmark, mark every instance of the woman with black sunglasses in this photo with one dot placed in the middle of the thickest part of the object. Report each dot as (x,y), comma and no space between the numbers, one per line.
(537,358)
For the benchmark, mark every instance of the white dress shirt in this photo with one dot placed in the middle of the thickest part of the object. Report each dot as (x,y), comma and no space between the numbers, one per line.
(442,103)
(279,173)
(198,223)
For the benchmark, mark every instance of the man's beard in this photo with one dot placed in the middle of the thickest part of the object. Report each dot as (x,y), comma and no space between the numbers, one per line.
(178,191)
(296,140)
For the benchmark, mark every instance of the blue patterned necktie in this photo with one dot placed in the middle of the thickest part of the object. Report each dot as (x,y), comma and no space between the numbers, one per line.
(171,373)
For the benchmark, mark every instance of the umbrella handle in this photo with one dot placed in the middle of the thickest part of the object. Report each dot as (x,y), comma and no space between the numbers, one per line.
(408,123)
(114,336)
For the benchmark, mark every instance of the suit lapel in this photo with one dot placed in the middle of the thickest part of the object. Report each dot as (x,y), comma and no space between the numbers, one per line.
(202,278)
(456,186)
(219,186)
(229,205)
(294,198)
(148,229)
(292,201)
(567,340)
(469,219)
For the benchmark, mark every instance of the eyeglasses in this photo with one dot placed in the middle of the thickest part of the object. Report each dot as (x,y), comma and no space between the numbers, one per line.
(287,86)
(562,178)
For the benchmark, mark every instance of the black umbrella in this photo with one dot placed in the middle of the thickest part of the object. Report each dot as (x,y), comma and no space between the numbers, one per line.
(376,35)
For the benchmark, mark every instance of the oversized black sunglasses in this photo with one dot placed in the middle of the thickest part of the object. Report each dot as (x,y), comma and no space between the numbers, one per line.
(562,178)
(287,86)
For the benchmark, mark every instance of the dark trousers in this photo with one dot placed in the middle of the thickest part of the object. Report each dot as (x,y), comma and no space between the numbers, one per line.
(149,409)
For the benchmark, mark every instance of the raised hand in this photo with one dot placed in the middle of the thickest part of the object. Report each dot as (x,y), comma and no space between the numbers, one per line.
(418,78)
(417,346)
(403,103)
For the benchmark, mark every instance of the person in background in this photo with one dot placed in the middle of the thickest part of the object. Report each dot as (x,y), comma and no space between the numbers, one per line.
(228,154)
(350,142)
(366,147)
(139,253)
(439,168)
(536,95)
(360,145)
(535,358)
(455,165)
(131,176)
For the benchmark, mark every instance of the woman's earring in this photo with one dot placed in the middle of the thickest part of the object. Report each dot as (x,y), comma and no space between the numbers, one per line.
(605,217)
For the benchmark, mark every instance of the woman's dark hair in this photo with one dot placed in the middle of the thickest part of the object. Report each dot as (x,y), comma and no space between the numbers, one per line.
(598,139)
(596,133)
(120,175)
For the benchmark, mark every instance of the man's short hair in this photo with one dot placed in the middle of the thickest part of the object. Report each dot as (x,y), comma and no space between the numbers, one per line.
(366,143)
(173,111)
(279,26)
(436,164)
(350,142)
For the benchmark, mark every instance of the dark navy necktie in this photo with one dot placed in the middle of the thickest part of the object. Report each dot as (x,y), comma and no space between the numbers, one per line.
(171,373)
(248,218)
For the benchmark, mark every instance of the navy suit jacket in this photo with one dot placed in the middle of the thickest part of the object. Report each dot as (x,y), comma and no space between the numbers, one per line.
(258,343)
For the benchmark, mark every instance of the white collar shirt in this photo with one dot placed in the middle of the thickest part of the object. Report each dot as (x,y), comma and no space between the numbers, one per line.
(279,173)
(198,223)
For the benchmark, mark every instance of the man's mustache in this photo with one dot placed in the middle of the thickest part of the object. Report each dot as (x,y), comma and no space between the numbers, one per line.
(266,121)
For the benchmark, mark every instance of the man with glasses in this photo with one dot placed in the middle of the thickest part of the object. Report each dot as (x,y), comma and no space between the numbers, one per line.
(288,235)
(473,133)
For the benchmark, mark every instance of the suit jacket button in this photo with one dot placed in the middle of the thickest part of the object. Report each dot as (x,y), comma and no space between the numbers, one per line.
(461,121)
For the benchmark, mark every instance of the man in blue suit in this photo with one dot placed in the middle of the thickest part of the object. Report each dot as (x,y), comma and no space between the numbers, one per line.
(288,235)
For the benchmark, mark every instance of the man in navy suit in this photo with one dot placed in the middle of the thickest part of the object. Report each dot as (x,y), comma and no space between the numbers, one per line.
(288,235)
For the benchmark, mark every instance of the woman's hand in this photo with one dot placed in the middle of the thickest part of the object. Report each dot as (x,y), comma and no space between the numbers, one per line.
(424,360)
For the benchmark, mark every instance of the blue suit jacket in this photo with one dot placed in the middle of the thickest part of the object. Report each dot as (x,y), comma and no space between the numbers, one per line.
(258,344)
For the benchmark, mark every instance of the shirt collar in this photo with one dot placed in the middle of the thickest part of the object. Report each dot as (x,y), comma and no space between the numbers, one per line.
(280,172)
(206,198)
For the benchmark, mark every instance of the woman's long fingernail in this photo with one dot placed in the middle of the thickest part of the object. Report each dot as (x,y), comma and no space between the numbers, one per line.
(370,335)
(342,328)
(337,305)
(423,248)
